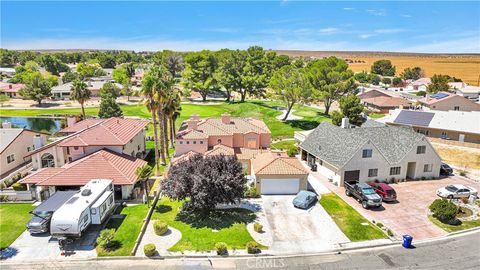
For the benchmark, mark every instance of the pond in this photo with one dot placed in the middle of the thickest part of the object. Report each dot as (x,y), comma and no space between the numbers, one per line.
(50,125)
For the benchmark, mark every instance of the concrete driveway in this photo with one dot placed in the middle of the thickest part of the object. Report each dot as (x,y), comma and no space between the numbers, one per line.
(300,231)
(410,214)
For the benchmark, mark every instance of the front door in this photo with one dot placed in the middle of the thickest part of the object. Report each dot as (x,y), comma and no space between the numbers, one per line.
(411,170)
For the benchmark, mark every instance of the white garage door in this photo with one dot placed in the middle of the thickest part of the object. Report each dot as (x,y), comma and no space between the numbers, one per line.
(280,186)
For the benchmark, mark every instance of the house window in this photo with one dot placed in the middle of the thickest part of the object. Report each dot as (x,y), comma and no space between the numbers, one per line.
(194,142)
(395,170)
(138,148)
(456,108)
(10,158)
(94,211)
(75,147)
(28,149)
(187,142)
(201,142)
(444,134)
(372,172)
(427,167)
(68,150)
(367,153)
(180,142)
(421,149)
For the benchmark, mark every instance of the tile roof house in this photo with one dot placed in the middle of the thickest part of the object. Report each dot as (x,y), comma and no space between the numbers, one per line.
(382,101)
(94,85)
(369,153)
(450,125)
(121,135)
(74,126)
(469,91)
(445,101)
(11,89)
(420,84)
(104,164)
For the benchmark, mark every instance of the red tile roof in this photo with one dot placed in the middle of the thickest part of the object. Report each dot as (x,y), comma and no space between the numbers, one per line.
(10,87)
(89,122)
(383,101)
(112,131)
(277,163)
(105,164)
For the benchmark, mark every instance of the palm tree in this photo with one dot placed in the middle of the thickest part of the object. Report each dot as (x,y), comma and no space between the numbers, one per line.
(172,111)
(150,101)
(174,64)
(143,173)
(80,93)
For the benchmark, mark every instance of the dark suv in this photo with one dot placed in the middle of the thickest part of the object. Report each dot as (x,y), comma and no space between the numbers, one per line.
(385,191)
(445,169)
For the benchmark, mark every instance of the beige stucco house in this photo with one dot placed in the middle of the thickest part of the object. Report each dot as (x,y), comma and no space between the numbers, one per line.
(15,146)
(444,101)
(371,152)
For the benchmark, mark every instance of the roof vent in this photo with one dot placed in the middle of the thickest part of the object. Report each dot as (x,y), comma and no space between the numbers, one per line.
(86,192)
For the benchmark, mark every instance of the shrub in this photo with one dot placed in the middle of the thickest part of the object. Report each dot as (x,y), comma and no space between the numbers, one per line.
(19,187)
(3,198)
(221,248)
(464,200)
(390,233)
(257,227)
(252,247)
(251,192)
(444,210)
(421,93)
(463,173)
(292,151)
(160,227)
(105,240)
(149,250)
(380,225)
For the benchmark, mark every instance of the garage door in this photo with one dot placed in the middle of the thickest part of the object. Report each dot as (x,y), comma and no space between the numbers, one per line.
(352,176)
(280,186)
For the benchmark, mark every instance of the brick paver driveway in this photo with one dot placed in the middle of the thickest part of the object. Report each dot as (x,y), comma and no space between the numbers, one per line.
(409,214)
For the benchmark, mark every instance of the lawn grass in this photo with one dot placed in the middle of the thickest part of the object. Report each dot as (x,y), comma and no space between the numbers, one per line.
(349,220)
(256,109)
(376,115)
(284,145)
(126,230)
(454,228)
(13,218)
(200,233)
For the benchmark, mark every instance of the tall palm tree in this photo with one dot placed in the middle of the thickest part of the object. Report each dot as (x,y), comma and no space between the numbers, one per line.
(150,101)
(172,111)
(80,93)
(143,173)
(174,64)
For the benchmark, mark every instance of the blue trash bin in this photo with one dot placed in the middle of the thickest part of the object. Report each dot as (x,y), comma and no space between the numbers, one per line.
(407,241)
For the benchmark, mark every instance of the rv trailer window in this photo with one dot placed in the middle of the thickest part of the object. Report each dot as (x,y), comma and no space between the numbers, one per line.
(85,219)
(111,199)
(94,211)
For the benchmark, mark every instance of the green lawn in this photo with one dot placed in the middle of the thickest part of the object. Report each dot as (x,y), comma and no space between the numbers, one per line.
(284,145)
(452,228)
(126,230)
(13,218)
(201,233)
(349,220)
(376,115)
(256,109)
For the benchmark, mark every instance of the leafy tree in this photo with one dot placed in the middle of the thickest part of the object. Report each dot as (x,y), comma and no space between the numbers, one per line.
(106,60)
(200,73)
(280,61)
(120,75)
(298,63)
(336,117)
(374,79)
(351,107)
(52,64)
(127,90)
(175,64)
(397,82)
(109,107)
(206,181)
(69,76)
(439,83)
(444,210)
(232,68)
(7,58)
(110,88)
(80,93)
(383,67)
(291,86)
(256,73)
(387,81)
(361,77)
(421,93)
(36,88)
(3,99)
(412,73)
(330,79)
(90,69)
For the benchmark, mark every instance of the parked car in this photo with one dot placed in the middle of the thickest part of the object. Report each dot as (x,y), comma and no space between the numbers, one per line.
(385,191)
(456,191)
(304,199)
(40,222)
(445,169)
(364,194)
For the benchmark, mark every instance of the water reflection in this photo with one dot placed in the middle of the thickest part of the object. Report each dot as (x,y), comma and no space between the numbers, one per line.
(35,123)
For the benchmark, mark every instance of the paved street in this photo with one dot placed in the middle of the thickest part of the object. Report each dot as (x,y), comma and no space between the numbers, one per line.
(455,252)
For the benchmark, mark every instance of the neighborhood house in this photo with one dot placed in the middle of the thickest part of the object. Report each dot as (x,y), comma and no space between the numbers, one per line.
(444,101)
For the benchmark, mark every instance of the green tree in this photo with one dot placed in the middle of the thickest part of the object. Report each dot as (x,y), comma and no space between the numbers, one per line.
(361,77)
(383,67)
(200,73)
(121,75)
(3,99)
(143,173)
(69,76)
(397,82)
(7,58)
(174,63)
(150,101)
(439,83)
(374,79)
(52,64)
(290,85)
(412,73)
(106,60)
(109,107)
(351,107)
(36,88)
(330,79)
(80,93)
(386,81)
(90,69)
(127,90)
(280,61)
(232,66)
(256,73)
(111,89)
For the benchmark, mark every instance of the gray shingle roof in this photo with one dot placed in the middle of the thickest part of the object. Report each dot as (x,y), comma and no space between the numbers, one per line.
(372,123)
(337,146)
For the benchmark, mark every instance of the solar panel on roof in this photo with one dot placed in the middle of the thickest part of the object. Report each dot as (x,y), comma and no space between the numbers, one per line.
(439,95)
(414,118)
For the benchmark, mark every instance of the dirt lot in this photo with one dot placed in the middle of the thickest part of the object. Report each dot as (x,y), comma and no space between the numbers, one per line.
(460,158)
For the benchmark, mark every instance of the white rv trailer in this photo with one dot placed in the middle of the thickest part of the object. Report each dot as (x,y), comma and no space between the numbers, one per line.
(90,205)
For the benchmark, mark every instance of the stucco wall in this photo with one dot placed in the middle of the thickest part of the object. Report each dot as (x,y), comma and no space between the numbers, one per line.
(449,104)
(136,145)
(59,154)
(19,148)
(259,178)
(225,140)
(181,146)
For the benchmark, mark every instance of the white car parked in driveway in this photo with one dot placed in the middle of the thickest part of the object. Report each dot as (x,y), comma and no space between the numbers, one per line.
(456,191)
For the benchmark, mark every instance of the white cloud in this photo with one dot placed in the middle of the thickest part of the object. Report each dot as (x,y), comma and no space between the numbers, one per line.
(328,30)
(464,45)
(222,30)
(406,15)
(389,30)
(366,35)
(377,12)
(348,8)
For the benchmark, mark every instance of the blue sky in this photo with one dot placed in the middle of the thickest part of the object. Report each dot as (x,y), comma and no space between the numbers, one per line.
(361,26)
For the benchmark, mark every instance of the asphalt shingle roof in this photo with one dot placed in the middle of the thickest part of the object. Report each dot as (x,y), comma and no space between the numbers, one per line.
(337,145)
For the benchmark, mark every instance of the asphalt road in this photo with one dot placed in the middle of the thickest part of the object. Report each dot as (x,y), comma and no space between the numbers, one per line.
(454,252)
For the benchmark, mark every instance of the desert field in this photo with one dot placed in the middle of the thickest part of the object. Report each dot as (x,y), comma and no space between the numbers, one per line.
(465,67)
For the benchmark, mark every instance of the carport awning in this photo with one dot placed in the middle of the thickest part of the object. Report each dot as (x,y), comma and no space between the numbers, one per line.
(55,201)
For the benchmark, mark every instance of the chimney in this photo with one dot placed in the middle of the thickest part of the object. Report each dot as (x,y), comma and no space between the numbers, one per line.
(226,118)
(10,86)
(195,117)
(345,123)
(71,121)
(37,141)
(6,124)
(192,124)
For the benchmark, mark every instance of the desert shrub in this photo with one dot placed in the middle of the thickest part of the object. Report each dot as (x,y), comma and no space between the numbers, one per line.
(463,173)
(160,227)
(105,240)
(257,227)
(464,200)
(251,192)
(19,187)
(380,225)
(444,210)
(252,247)
(149,249)
(221,248)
